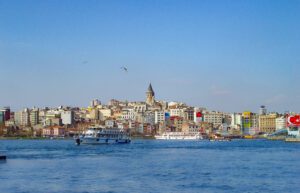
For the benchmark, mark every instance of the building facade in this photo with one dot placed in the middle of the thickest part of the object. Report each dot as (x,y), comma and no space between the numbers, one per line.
(280,123)
(67,117)
(267,123)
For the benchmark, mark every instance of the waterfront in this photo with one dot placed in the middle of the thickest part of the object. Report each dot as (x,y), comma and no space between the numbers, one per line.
(150,166)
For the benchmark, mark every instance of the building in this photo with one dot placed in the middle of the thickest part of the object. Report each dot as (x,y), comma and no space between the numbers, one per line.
(190,128)
(34,117)
(176,123)
(159,117)
(67,117)
(128,114)
(149,118)
(267,123)
(95,103)
(114,102)
(150,96)
(236,121)
(6,111)
(58,132)
(22,118)
(94,114)
(177,112)
(2,117)
(47,132)
(110,123)
(216,118)
(262,110)
(189,114)
(104,114)
(250,123)
(280,123)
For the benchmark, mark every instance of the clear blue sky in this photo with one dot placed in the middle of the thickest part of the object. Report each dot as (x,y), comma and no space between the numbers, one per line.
(223,55)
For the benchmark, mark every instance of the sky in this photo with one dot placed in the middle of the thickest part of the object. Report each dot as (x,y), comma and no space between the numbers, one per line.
(226,55)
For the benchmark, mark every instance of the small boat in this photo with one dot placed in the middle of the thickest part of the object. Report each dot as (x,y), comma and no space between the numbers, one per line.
(2,157)
(219,137)
(179,136)
(103,136)
(225,139)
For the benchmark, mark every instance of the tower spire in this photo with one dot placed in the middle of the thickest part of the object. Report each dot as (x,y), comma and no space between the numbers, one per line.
(150,95)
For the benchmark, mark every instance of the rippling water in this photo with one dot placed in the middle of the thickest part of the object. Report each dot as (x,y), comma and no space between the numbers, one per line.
(150,166)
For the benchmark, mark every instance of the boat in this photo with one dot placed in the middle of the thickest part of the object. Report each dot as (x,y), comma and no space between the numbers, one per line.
(179,136)
(218,137)
(223,139)
(103,136)
(2,156)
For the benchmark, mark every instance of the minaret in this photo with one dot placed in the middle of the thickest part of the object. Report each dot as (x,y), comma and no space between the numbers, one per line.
(150,95)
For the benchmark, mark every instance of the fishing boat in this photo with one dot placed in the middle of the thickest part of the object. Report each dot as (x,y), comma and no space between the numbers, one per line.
(103,136)
(179,136)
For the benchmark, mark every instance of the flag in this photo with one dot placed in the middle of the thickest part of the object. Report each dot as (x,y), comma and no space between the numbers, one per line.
(293,120)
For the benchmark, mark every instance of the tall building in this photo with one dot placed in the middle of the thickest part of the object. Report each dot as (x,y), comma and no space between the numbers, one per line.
(236,121)
(262,110)
(34,116)
(22,118)
(250,123)
(150,100)
(267,123)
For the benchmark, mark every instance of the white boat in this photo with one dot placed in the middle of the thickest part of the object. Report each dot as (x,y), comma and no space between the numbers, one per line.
(179,136)
(103,136)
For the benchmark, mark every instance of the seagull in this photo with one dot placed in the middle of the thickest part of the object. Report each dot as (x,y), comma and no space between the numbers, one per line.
(124,68)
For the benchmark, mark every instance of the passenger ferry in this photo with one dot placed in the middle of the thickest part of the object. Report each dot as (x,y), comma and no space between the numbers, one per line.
(179,136)
(103,136)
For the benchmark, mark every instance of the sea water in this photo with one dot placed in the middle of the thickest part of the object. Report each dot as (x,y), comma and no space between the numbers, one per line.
(150,166)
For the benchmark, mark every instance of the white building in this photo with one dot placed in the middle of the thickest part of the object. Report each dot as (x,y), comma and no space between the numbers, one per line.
(67,117)
(177,112)
(128,114)
(159,117)
(280,123)
(236,120)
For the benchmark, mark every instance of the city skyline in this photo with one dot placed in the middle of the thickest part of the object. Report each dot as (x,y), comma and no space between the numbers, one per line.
(214,54)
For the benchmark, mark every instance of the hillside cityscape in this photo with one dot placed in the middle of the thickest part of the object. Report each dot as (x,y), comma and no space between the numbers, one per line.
(144,119)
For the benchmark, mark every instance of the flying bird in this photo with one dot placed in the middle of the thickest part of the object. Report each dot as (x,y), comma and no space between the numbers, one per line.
(124,68)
